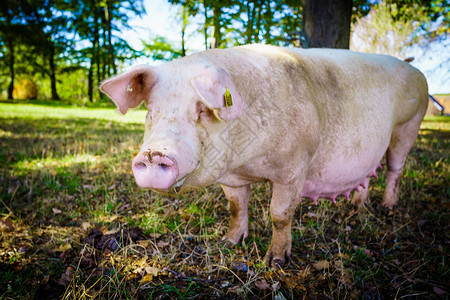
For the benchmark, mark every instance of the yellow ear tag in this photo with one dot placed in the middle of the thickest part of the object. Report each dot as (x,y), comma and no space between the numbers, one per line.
(228,99)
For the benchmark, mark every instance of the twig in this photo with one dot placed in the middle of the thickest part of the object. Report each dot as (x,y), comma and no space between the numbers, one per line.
(194,279)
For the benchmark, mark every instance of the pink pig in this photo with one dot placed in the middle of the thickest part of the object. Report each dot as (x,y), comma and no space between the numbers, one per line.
(315,123)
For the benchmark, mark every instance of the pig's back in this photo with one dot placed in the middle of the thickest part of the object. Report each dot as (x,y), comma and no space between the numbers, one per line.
(339,105)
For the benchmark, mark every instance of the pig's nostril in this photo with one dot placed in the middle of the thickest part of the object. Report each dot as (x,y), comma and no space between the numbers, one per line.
(164,166)
(140,166)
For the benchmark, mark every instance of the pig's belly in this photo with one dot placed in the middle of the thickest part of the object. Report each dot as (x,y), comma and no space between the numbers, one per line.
(337,173)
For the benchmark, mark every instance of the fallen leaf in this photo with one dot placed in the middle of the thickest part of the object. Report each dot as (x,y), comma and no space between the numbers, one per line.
(63,247)
(152,270)
(111,219)
(112,231)
(56,211)
(262,284)
(320,265)
(145,243)
(147,278)
(439,291)
(342,255)
(6,225)
(46,279)
(311,215)
(67,276)
(86,226)
(235,289)
(162,244)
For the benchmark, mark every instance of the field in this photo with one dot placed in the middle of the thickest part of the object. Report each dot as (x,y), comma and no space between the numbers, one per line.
(74,224)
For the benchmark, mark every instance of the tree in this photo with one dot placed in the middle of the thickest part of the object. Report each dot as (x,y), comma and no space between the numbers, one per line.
(12,31)
(327,23)
(97,22)
(380,32)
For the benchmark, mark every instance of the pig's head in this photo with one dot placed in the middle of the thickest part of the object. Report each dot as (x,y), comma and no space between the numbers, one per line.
(186,107)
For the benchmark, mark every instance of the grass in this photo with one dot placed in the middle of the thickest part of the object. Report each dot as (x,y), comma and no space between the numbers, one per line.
(66,170)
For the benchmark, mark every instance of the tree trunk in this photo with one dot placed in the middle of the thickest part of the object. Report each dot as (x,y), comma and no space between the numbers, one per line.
(97,49)
(184,16)
(258,20)
(110,45)
(250,22)
(104,53)
(327,23)
(216,37)
(205,28)
(11,68)
(90,80)
(51,60)
(268,24)
(10,44)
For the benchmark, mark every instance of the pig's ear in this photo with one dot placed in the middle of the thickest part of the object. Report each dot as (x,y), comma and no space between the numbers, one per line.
(129,89)
(217,90)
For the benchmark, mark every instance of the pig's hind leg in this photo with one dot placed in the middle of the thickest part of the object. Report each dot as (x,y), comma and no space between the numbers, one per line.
(238,198)
(402,140)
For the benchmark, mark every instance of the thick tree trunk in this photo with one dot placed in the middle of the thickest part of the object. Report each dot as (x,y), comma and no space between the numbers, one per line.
(327,23)
(94,55)
(110,45)
(51,60)
(90,81)
(11,68)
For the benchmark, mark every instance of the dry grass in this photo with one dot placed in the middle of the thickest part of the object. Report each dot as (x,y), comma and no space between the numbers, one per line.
(66,171)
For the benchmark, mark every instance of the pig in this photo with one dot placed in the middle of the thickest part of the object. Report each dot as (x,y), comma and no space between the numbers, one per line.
(314,123)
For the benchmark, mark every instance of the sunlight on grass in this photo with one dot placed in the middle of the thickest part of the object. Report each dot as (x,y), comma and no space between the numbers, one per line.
(441,123)
(56,164)
(42,111)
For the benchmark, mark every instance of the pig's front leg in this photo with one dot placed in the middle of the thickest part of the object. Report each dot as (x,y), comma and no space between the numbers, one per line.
(285,199)
(238,198)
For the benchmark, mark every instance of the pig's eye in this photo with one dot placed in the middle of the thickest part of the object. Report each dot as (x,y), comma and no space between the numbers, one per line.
(204,113)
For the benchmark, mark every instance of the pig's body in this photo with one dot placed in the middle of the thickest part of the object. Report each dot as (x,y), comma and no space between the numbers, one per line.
(315,123)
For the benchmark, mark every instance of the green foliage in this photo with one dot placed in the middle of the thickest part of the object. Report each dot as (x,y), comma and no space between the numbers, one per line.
(159,48)
(56,41)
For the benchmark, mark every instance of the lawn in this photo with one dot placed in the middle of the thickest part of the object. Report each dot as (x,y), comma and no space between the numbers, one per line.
(74,224)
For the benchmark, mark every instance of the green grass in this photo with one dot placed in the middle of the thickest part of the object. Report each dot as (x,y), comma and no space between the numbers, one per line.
(65,170)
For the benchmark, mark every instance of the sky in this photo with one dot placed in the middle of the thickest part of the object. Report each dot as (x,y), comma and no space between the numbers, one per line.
(160,19)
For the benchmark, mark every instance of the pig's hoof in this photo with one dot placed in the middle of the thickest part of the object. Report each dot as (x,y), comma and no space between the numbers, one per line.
(388,205)
(235,237)
(226,243)
(274,262)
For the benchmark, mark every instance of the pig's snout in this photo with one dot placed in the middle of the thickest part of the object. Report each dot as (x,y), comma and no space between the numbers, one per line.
(154,170)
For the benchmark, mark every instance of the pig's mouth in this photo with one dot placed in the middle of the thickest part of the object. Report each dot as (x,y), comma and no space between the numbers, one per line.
(159,172)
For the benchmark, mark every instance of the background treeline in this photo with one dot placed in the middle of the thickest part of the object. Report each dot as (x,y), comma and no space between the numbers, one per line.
(63,49)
